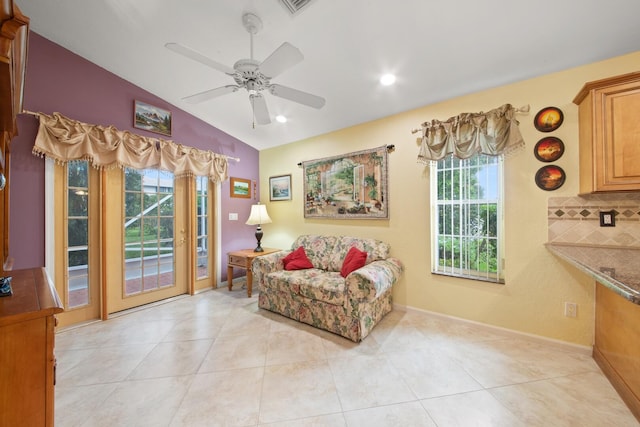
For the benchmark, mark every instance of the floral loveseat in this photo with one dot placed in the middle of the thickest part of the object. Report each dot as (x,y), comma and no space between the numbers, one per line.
(320,296)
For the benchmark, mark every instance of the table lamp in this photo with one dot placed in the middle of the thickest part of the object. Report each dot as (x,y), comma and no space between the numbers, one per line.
(258,217)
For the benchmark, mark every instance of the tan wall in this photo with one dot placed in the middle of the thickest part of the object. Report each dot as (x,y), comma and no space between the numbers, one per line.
(537,283)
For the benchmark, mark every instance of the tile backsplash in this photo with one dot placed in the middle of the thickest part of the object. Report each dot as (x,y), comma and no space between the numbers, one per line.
(577,219)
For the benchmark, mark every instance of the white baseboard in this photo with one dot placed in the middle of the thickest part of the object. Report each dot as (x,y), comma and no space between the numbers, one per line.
(509,333)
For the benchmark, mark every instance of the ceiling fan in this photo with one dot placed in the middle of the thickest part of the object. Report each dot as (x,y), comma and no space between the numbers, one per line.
(252,75)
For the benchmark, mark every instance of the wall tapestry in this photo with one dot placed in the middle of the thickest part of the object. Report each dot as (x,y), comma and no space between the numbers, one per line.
(348,186)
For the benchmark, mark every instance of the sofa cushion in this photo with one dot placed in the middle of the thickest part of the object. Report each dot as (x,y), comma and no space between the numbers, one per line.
(375,249)
(317,248)
(329,288)
(354,260)
(297,260)
(314,284)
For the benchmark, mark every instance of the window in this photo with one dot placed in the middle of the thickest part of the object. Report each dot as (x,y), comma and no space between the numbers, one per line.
(202,220)
(466,200)
(78,234)
(148,230)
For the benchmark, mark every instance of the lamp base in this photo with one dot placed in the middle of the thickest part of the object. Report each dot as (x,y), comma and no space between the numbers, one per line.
(258,238)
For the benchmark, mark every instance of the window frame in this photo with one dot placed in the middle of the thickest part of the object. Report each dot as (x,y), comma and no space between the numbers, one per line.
(485,276)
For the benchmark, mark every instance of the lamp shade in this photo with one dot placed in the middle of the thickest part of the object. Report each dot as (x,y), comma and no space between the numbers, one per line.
(258,215)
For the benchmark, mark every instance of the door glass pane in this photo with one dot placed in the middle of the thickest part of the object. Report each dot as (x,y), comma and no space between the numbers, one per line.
(202,221)
(77,234)
(148,230)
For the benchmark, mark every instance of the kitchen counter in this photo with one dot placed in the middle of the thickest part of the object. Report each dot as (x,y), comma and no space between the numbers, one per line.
(616,268)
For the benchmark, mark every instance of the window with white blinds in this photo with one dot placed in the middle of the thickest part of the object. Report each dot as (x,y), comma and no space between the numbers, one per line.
(466,219)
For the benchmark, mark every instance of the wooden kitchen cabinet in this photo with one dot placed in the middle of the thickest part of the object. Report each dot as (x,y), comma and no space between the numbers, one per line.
(27,360)
(617,344)
(610,134)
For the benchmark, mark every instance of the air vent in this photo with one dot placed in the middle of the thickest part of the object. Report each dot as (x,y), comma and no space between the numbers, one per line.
(295,6)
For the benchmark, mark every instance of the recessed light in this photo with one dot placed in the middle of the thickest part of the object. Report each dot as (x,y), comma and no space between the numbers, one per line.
(387,79)
(281,119)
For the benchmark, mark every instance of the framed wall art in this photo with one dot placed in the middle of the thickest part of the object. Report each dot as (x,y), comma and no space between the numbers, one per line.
(550,177)
(153,119)
(549,149)
(348,186)
(548,119)
(240,188)
(280,187)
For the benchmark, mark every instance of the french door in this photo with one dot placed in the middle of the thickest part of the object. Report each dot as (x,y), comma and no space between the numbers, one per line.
(77,249)
(145,237)
(125,238)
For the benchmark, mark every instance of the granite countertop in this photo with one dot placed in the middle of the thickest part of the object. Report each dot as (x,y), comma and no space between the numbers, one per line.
(616,268)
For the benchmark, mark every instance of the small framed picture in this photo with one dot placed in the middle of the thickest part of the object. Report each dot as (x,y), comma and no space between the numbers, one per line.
(153,119)
(241,188)
(280,187)
(550,177)
(549,149)
(548,119)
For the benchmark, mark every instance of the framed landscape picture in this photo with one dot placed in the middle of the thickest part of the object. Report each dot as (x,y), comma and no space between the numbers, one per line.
(240,188)
(153,119)
(280,187)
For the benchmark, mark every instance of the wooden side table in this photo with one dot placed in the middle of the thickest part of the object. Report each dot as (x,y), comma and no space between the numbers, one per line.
(243,259)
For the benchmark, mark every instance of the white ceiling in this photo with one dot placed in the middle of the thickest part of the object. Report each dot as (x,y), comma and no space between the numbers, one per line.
(439,49)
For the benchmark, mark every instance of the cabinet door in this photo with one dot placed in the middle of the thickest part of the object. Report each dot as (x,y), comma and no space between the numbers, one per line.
(618,153)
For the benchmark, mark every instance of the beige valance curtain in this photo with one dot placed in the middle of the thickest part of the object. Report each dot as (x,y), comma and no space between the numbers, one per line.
(493,133)
(63,140)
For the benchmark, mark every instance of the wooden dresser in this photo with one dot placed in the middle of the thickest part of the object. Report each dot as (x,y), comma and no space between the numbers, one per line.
(27,318)
(14,38)
(27,361)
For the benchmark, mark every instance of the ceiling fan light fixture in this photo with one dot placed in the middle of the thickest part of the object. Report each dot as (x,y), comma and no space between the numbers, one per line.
(251,87)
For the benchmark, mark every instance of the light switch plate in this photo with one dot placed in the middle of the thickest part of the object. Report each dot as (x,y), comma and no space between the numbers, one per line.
(233,216)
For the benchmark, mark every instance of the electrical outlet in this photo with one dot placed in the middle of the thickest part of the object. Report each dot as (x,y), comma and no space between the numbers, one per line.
(570,309)
(233,217)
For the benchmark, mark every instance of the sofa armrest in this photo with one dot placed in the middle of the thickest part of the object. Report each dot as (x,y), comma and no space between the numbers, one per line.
(265,264)
(367,282)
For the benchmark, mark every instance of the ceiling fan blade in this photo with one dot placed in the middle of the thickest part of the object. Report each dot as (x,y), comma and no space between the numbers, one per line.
(281,59)
(198,57)
(210,94)
(297,96)
(260,111)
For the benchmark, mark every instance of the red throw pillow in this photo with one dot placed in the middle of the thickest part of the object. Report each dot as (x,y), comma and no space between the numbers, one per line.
(297,260)
(354,260)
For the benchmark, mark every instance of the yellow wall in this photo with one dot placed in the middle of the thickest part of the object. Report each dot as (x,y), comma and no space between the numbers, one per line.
(537,283)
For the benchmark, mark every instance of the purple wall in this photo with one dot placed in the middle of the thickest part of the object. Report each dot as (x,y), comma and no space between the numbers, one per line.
(58,80)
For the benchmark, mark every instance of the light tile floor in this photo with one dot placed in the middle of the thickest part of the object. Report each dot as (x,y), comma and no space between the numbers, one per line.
(215,359)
